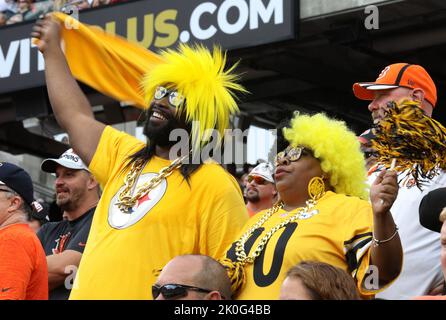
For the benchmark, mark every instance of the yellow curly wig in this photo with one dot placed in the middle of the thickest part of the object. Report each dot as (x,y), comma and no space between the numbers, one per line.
(199,76)
(336,147)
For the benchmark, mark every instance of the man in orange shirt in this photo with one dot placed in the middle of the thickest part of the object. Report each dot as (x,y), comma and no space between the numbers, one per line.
(23,268)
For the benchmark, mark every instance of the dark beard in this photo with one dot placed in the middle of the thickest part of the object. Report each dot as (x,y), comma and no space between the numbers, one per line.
(253,198)
(159,135)
(68,206)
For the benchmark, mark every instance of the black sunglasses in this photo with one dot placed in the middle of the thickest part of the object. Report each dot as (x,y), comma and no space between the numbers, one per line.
(174,291)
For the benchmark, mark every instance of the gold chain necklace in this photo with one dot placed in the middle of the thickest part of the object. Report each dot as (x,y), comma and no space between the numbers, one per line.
(242,257)
(125,199)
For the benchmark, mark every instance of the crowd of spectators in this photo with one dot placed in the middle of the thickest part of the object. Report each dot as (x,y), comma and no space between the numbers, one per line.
(16,11)
(339,236)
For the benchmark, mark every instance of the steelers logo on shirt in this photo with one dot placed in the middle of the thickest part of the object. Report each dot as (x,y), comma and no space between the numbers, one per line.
(121,220)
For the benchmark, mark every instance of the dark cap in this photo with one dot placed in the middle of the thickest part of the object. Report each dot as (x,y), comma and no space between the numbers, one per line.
(430,208)
(40,212)
(367,136)
(18,180)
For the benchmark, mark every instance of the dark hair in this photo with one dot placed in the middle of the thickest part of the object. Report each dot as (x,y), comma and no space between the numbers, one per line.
(212,275)
(324,281)
(147,152)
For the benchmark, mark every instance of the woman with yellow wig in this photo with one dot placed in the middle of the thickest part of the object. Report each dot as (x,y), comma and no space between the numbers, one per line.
(322,215)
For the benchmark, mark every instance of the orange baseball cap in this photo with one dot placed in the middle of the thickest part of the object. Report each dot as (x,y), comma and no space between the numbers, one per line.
(396,75)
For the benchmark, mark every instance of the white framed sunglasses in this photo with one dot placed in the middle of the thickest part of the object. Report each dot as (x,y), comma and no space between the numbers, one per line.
(175,98)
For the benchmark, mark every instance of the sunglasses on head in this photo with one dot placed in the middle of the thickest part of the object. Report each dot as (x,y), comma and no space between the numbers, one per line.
(291,154)
(175,98)
(257,180)
(174,291)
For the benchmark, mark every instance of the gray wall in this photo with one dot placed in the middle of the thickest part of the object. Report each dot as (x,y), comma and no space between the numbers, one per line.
(310,9)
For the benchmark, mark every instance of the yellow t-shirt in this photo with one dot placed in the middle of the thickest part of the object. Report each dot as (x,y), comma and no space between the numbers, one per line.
(340,234)
(124,250)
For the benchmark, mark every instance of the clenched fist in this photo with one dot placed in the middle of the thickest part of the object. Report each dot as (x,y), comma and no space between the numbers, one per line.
(384,191)
(47,30)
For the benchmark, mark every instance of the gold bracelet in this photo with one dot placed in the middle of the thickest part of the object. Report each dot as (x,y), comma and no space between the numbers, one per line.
(377,242)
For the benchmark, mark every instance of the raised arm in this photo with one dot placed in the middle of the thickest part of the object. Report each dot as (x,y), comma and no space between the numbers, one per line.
(387,254)
(70,105)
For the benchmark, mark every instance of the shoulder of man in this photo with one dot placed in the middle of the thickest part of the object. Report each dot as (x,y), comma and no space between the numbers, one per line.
(87,218)
(114,147)
(50,231)
(211,166)
(50,227)
(79,237)
(212,173)
(18,231)
(20,235)
(115,134)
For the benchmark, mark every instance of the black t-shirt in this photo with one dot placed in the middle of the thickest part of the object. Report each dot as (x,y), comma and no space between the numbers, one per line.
(57,237)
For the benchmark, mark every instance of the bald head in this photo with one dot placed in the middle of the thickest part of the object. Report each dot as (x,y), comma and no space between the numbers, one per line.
(198,271)
(214,273)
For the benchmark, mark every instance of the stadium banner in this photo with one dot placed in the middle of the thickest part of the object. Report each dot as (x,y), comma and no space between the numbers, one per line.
(157,25)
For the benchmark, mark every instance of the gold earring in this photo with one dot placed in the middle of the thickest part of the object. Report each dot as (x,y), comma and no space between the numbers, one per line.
(316,188)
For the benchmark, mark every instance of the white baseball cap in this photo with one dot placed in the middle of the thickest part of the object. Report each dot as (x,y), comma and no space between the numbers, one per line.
(264,170)
(68,159)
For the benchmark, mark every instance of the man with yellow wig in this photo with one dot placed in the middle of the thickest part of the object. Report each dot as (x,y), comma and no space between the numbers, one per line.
(153,207)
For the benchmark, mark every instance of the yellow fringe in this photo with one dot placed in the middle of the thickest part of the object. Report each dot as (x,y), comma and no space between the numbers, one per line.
(236,273)
(416,141)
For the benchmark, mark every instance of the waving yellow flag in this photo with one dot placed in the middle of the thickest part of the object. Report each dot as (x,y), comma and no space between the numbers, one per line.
(108,63)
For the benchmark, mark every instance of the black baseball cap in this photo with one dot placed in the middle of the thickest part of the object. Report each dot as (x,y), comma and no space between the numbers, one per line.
(40,212)
(18,180)
(430,208)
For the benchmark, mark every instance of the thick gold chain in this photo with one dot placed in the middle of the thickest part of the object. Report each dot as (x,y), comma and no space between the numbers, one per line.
(240,244)
(125,198)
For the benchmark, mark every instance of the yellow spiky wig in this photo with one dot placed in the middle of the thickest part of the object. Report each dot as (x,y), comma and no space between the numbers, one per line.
(336,147)
(200,76)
